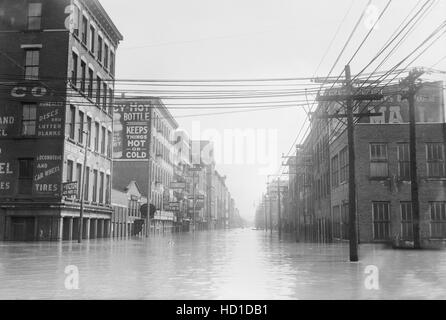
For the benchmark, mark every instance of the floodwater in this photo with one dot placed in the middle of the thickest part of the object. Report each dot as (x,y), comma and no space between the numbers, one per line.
(226,264)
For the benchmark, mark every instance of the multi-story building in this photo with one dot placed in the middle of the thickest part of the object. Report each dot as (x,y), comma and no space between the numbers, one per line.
(132,118)
(382,169)
(182,165)
(57,65)
(126,218)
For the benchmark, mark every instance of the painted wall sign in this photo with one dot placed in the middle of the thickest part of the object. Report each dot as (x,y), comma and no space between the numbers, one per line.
(50,120)
(7,171)
(47,174)
(69,189)
(131,128)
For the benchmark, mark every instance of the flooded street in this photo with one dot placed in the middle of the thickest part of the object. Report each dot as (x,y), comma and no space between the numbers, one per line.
(233,264)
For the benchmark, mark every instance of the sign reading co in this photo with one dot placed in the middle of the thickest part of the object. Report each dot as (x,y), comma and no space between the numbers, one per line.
(20,92)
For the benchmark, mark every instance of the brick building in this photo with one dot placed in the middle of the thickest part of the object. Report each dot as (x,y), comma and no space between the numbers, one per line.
(132,118)
(57,71)
(382,172)
(126,219)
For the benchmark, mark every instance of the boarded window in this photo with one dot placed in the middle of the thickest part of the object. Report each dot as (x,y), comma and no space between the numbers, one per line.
(378,160)
(438,219)
(403,161)
(406,221)
(435,160)
(381,220)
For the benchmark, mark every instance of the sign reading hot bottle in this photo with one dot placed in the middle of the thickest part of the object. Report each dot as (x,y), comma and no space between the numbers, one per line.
(131,130)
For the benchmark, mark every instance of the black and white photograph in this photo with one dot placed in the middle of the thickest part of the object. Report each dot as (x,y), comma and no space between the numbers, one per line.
(241,151)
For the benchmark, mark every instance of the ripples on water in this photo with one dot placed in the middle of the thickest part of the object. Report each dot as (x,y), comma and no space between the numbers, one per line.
(233,264)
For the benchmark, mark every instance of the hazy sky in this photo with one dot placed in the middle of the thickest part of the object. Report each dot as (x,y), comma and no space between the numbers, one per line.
(238,39)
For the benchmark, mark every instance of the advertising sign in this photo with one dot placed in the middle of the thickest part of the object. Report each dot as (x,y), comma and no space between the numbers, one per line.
(69,189)
(47,174)
(131,122)
(177,185)
(50,119)
(7,172)
(394,109)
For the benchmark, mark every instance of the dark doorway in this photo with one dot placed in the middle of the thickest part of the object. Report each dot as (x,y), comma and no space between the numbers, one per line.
(23,229)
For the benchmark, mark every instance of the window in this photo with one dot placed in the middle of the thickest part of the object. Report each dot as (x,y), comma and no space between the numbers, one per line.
(435,160)
(104,95)
(84,29)
(87,183)
(26,167)
(96,137)
(105,56)
(81,127)
(335,171)
(112,63)
(74,70)
(110,101)
(32,58)
(95,185)
(89,129)
(107,189)
(34,19)
(78,179)
(70,165)
(90,83)
(381,220)
(344,222)
(336,222)
(83,75)
(378,160)
(72,122)
(438,219)
(109,144)
(406,221)
(343,164)
(403,161)
(101,188)
(100,41)
(103,140)
(29,118)
(92,38)
(77,16)
(98,90)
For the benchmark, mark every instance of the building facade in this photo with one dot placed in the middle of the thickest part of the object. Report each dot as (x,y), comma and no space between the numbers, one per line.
(132,118)
(59,56)
(382,167)
(126,219)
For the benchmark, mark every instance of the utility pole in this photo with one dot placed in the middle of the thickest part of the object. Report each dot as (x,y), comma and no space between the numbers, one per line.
(279,218)
(349,98)
(264,212)
(82,186)
(193,204)
(297,195)
(410,96)
(353,234)
(149,169)
(270,216)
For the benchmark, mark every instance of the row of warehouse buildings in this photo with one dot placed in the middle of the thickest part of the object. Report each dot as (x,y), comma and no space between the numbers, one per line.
(66,141)
(315,194)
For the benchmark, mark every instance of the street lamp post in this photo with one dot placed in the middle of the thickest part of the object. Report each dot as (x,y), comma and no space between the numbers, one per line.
(82,183)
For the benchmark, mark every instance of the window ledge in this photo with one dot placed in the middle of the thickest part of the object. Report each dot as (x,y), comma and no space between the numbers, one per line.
(435,179)
(72,140)
(379,178)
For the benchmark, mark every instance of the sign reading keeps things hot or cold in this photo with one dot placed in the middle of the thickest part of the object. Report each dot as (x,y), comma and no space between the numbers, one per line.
(131,130)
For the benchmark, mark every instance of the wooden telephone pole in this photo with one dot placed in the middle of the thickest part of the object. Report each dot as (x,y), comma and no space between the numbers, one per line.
(410,96)
(149,169)
(82,186)
(279,209)
(349,98)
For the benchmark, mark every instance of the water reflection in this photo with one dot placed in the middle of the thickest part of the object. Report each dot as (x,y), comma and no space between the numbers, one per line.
(235,264)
